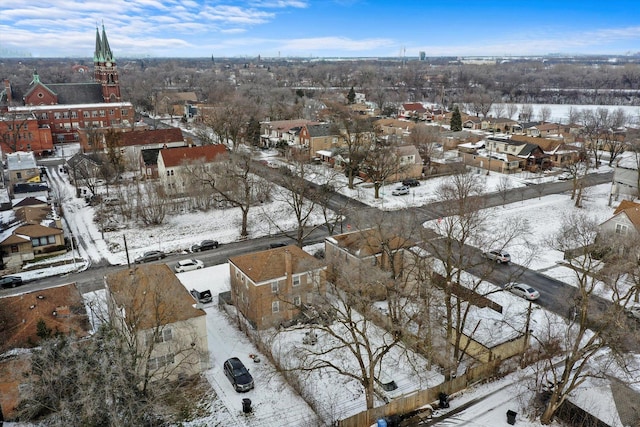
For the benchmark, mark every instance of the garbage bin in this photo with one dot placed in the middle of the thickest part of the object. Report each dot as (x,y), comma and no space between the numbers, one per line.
(511,417)
(444,400)
(382,422)
(246,405)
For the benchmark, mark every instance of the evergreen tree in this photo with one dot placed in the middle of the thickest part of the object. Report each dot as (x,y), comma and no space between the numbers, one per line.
(351,96)
(456,120)
(253,132)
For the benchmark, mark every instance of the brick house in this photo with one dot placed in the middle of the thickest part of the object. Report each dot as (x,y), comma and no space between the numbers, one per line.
(21,131)
(149,303)
(22,167)
(173,163)
(270,287)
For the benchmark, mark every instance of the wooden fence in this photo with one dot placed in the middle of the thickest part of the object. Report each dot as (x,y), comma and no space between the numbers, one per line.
(412,402)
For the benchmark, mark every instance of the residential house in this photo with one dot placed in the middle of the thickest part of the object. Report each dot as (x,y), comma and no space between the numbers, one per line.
(322,139)
(173,164)
(478,156)
(400,129)
(499,124)
(22,168)
(287,131)
(623,228)
(29,241)
(32,202)
(410,162)
(173,102)
(130,143)
(625,177)
(354,250)
(149,303)
(414,111)
(560,154)
(472,122)
(531,154)
(272,287)
(62,310)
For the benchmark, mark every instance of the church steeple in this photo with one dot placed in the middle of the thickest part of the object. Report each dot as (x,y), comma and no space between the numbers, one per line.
(105,69)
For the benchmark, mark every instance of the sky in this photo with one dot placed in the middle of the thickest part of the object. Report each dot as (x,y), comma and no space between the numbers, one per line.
(319,28)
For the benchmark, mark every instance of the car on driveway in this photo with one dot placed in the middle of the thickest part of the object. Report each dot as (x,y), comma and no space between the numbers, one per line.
(188,265)
(205,245)
(497,255)
(150,256)
(10,281)
(411,182)
(239,376)
(633,311)
(400,191)
(523,290)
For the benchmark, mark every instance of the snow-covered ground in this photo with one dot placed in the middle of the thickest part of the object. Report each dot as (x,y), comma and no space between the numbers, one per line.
(274,402)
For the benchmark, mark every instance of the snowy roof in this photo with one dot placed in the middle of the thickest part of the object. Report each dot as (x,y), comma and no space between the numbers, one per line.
(21,160)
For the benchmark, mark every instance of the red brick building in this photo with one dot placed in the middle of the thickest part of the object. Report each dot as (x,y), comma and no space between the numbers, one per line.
(67,108)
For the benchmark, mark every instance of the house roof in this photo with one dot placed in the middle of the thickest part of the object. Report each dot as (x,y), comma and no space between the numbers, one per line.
(37,230)
(153,294)
(323,129)
(61,307)
(77,93)
(631,210)
(21,160)
(14,240)
(414,106)
(270,264)
(172,157)
(287,125)
(32,214)
(363,243)
(151,137)
(29,201)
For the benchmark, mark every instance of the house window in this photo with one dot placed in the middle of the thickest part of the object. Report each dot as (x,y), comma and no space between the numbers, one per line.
(112,112)
(18,175)
(296,301)
(56,116)
(158,362)
(123,113)
(86,114)
(274,287)
(14,249)
(102,113)
(94,113)
(74,114)
(296,280)
(621,229)
(275,306)
(44,116)
(51,239)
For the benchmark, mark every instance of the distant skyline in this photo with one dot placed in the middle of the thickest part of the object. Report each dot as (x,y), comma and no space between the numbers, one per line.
(319,28)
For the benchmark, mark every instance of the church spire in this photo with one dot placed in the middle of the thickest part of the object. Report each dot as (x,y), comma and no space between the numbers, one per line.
(106,49)
(97,53)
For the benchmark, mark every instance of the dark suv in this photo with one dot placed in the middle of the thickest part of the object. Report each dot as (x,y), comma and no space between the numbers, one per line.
(238,375)
(205,245)
(411,182)
(10,281)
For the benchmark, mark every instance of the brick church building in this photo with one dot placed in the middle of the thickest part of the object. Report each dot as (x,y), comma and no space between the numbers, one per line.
(48,114)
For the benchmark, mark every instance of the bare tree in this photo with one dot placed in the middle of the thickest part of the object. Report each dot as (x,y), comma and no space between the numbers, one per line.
(545,114)
(498,109)
(526,112)
(589,330)
(231,178)
(380,164)
(151,203)
(356,137)
(511,109)
(426,139)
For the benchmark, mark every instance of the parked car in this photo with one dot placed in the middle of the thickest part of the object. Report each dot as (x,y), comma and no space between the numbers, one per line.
(10,281)
(411,182)
(277,245)
(205,245)
(188,265)
(400,191)
(523,290)
(497,255)
(239,376)
(203,297)
(565,176)
(150,256)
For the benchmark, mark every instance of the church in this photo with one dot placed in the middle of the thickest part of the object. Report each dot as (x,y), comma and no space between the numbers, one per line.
(48,114)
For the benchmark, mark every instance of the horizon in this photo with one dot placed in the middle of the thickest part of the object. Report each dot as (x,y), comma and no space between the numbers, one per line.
(319,29)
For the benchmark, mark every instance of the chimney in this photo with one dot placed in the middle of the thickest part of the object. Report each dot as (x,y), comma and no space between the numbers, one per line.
(288,263)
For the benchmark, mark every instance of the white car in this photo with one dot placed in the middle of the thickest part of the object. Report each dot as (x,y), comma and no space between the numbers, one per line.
(400,191)
(188,265)
(524,291)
